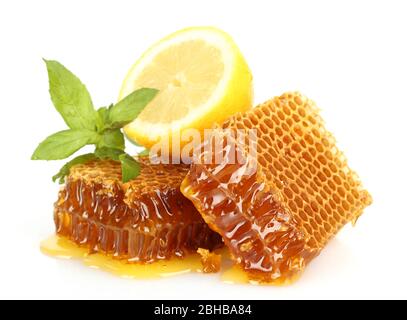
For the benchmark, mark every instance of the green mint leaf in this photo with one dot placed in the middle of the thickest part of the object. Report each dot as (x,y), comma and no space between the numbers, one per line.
(144,153)
(127,109)
(112,139)
(64,171)
(70,97)
(130,167)
(62,144)
(101,119)
(108,153)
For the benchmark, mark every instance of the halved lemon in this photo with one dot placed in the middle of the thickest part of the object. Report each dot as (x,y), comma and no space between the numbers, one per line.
(202,78)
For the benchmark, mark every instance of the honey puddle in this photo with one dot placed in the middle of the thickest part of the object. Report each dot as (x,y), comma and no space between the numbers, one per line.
(61,247)
(235,275)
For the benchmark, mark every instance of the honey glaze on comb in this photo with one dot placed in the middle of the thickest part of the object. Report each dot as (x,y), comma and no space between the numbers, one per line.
(262,236)
(145,220)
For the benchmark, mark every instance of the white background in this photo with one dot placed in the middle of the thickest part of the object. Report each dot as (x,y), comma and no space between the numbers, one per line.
(348,56)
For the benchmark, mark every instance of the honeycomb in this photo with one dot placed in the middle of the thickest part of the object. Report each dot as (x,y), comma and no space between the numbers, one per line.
(276,215)
(211,262)
(143,220)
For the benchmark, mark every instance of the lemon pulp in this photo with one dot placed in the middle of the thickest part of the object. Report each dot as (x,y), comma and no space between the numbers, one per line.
(202,79)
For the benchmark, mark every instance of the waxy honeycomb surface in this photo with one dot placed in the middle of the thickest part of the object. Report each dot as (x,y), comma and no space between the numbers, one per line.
(143,220)
(276,216)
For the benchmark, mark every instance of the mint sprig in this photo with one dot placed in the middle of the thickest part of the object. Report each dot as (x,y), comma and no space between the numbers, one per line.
(87,126)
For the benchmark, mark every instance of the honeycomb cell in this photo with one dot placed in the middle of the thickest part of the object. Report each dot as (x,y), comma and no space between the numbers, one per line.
(276,193)
(280,114)
(287,139)
(144,220)
(286,110)
(296,117)
(292,105)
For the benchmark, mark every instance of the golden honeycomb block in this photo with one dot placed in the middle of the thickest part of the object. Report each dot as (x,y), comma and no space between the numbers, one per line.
(277,217)
(144,220)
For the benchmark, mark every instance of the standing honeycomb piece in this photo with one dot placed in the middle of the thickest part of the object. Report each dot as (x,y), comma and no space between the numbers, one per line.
(143,220)
(277,209)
